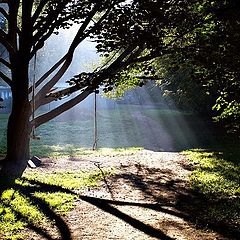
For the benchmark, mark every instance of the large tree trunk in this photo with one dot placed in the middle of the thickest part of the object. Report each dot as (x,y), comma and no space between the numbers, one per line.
(19,129)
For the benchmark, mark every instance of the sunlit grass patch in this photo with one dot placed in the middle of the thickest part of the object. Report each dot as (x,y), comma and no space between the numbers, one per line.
(70,150)
(16,211)
(55,151)
(70,180)
(35,195)
(60,202)
(217,177)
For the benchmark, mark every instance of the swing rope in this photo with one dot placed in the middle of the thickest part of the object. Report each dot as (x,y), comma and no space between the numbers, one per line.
(95,122)
(33,97)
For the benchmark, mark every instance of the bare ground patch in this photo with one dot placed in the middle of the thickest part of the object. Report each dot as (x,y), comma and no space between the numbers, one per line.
(147,198)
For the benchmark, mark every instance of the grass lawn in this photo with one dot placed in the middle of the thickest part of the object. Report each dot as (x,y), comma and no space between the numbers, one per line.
(117,128)
(216,177)
(188,130)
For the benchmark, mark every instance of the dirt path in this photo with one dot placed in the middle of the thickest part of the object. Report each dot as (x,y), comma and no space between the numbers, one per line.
(147,198)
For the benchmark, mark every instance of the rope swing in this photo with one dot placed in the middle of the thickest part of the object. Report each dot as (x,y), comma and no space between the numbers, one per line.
(95,122)
(33,99)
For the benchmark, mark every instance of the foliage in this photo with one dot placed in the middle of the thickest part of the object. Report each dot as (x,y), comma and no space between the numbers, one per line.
(202,65)
(213,62)
(216,176)
(126,80)
(229,113)
(19,205)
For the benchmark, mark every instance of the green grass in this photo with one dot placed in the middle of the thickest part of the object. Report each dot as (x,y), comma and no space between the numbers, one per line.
(21,206)
(117,128)
(186,129)
(216,176)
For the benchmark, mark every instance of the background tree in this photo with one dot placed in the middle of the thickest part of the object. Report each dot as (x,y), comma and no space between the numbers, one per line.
(200,72)
(135,31)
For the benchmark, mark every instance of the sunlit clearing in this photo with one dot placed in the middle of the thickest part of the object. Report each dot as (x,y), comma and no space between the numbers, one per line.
(141,119)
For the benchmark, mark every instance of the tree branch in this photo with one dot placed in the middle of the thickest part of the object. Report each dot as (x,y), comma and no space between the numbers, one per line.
(49,21)
(49,72)
(6,63)
(5,42)
(60,109)
(96,78)
(4,13)
(77,40)
(39,9)
(6,79)
(46,88)
(40,43)
(13,25)
(80,36)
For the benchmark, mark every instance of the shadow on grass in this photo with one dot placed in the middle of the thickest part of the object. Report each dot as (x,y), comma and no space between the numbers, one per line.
(61,225)
(27,192)
(160,186)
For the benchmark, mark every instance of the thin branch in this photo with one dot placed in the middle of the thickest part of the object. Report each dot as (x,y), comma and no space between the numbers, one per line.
(5,78)
(152,78)
(4,13)
(6,63)
(5,42)
(53,96)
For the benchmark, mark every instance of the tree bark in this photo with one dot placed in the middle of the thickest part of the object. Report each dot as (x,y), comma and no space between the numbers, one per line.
(19,129)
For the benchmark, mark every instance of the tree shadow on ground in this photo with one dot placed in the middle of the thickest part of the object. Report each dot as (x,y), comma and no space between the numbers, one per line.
(60,224)
(27,192)
(162,187)
(163,191)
